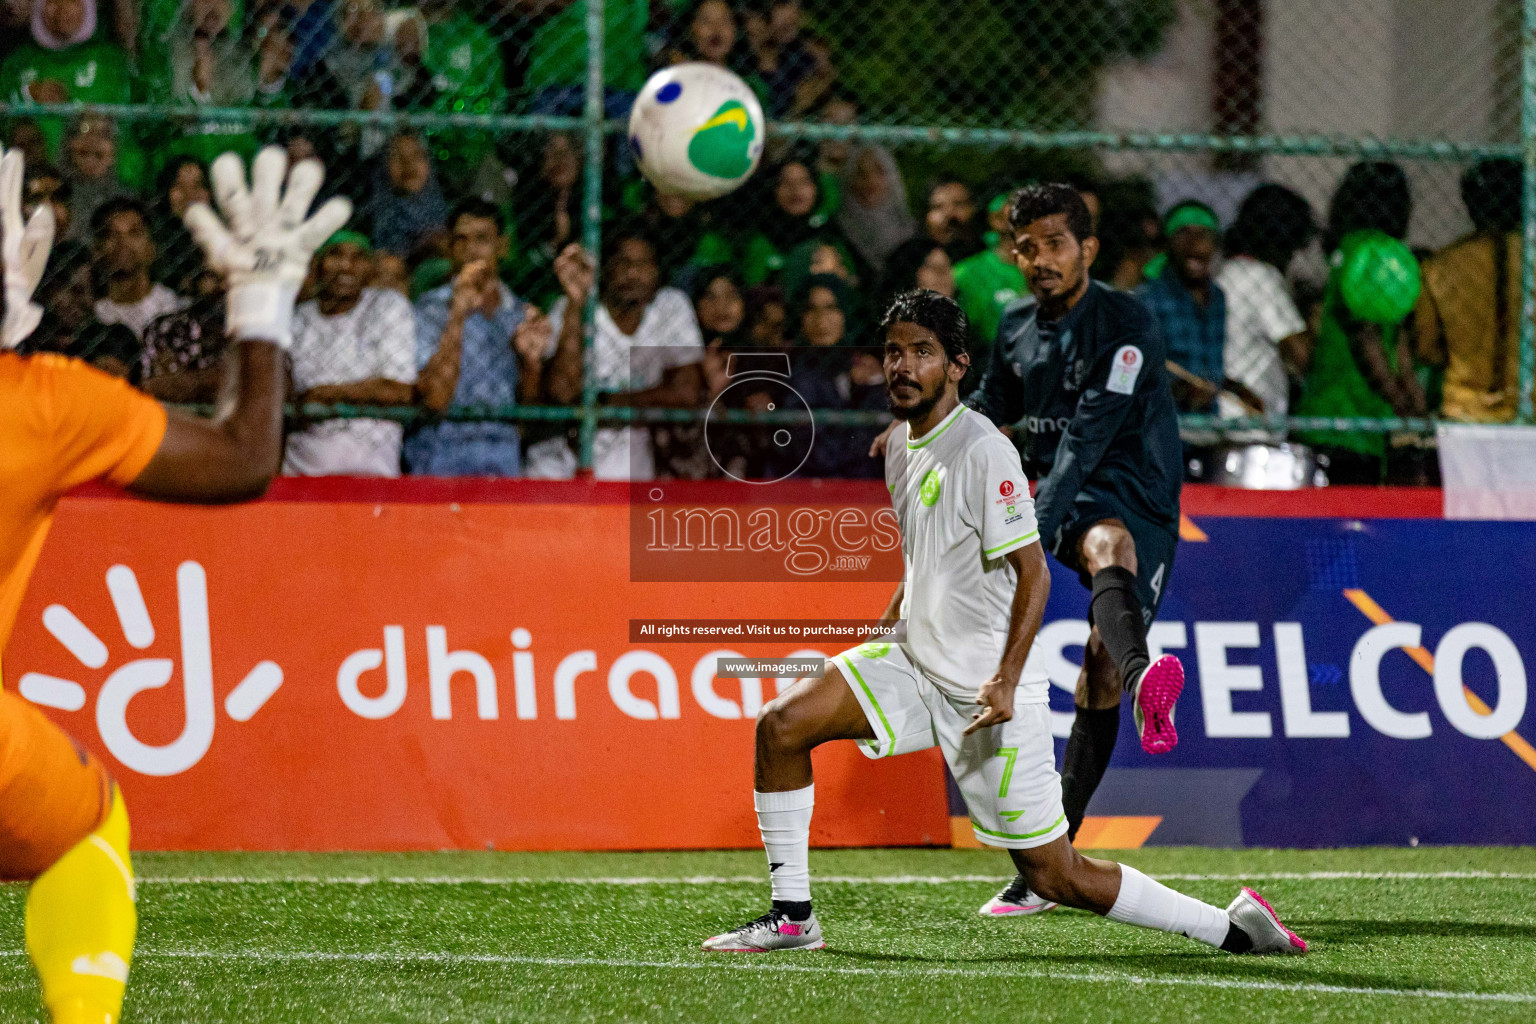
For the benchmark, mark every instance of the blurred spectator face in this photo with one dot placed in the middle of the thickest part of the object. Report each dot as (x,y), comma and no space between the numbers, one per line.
(409,166)
(73,299)
(713,31)
(673,207)
(362,23)
(300,148)
(823,321)
(835,152)
(950,209)
(123,246)
(1191,251)
(188,187)
(28,137)
(937,273)
(796,190)
(476,238)
(393,273)
(721,308)
(755,24)
(92,150)
(345,270)
(409,41)
(825,259)
(767,329)
(561,162)
(208,17)
(63,18)
(631,275)
(869,184)
(1052,259)
(44,188)
(276,54)
(784,21)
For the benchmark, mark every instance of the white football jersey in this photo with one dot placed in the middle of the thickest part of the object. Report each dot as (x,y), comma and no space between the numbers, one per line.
(962,504)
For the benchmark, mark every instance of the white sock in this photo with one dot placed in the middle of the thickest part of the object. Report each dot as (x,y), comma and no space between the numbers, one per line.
(785,821)
(1153,905)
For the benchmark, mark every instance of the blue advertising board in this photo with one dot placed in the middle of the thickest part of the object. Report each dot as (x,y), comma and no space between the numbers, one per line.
(1350,682)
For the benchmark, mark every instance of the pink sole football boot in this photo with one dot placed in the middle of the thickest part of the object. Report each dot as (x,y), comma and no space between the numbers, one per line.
(1156,695)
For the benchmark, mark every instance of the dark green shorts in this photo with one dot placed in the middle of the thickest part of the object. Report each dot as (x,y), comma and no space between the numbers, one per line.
(1155,544)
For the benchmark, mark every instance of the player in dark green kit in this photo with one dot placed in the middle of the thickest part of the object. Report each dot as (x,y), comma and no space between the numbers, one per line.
(1079,370)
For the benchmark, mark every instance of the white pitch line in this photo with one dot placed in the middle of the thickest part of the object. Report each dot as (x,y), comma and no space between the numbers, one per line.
(1261,876)
(736,963)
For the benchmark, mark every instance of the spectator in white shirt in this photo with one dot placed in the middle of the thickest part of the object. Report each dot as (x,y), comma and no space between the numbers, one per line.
(124,250)
(1267,337)
(647,353)
(351,345)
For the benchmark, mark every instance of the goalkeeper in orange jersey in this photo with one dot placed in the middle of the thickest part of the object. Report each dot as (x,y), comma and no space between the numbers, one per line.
(63,825)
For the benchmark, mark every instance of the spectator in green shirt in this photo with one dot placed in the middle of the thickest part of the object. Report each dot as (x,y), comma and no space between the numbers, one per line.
(65,63)
(557,57)
(467,77)
(986,283)
(709,32)
(1358,368)
(792,225)
(91,167)
(206,61)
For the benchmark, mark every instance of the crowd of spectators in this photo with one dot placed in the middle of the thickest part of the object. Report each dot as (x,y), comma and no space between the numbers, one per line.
(456,284)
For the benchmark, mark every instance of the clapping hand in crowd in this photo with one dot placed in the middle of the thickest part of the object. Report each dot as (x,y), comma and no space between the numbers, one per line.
(474,289)
(531,339)
(577,272)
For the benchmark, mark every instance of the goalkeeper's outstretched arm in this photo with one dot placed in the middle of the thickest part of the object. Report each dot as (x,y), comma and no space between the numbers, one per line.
(234,455)
(263,245)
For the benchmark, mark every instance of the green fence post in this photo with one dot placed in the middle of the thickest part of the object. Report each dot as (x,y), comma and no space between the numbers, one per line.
(592,219)
(1528,212)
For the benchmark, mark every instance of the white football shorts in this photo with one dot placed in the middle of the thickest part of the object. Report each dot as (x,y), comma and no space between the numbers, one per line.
(1007,773)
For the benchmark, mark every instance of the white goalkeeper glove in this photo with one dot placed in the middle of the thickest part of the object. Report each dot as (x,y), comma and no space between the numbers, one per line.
(265,249)
(24,250)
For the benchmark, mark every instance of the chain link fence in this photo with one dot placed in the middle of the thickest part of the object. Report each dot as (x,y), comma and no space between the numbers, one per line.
(478,140)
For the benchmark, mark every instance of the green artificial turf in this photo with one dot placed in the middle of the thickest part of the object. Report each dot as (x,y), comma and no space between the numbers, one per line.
(575,937)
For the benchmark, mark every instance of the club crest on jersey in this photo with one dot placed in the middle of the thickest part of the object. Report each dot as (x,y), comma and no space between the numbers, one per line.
(930,489)
(1124,370)
(1073,379)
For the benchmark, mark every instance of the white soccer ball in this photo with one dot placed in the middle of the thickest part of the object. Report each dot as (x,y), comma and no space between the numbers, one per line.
(696,130)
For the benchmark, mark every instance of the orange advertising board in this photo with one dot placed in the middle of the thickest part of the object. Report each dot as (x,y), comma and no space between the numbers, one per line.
(447,667)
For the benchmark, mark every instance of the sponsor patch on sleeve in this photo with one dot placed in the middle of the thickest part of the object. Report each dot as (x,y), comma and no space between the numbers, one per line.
(1125,369)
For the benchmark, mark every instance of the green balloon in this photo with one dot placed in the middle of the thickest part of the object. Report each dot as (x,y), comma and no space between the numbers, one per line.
(1378,277)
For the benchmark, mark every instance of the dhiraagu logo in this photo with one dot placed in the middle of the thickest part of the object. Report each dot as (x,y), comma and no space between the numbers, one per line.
(722,146)
(930,490)
(873,650)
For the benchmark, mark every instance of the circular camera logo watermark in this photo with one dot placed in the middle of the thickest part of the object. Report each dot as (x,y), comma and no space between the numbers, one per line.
(760,383)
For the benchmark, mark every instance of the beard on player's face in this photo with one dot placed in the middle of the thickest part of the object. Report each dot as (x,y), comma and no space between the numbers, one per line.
(910,400)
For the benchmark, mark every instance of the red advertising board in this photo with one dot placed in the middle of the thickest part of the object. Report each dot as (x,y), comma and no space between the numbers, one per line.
(415,668)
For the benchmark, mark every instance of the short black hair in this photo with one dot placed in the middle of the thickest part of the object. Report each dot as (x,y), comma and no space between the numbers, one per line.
(1032,202)
(630,231)
(934,312)
(172,170)
(474,206)
(1491,190)
(1373,194)
(63,193)
(1272,221)
(114,206)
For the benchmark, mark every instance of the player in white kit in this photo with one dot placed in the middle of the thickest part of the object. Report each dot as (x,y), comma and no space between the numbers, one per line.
(973,597)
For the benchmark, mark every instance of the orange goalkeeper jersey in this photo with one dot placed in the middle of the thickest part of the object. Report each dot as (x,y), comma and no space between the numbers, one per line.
(62,423)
